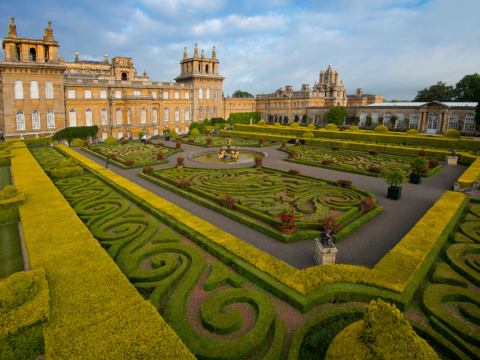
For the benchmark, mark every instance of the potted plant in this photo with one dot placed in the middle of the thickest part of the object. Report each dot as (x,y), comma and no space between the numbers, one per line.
(141,136)
(287,225)
(227,201)
(395,179)
(180,162)
(284,145)
(418,166)
(160,156)
(166,132)
(258,162)
(178,145)
(291,155)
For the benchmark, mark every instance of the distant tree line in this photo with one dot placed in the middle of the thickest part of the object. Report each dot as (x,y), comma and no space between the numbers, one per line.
(466,90)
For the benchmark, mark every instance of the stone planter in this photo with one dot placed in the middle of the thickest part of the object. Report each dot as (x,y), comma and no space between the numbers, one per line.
(451,160)
(289,231)
(415,178)
(393,193)
(324,255)
(180,166)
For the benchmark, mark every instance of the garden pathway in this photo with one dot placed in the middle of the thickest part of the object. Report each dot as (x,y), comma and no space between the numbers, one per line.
(364,247)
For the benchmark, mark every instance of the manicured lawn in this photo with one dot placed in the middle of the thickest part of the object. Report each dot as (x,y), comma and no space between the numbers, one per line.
(11,260)
(5,178)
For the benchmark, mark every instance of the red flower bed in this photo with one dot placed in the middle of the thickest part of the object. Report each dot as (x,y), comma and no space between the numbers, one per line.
(227,201)
(129,162)
(332,223)
(335,148)
(294,172)
(373,152)
(183,184)
(148,170)
(375,169)
(160,156)
(344,184)
(366,204)
(432,163)
(422,153)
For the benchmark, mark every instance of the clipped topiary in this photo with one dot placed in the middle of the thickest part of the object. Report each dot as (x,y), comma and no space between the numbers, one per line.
(311,127)
(381,129)
(173,134)
(110,140)
(277,124)
(77,142)
(66,169)
(308,134)
(261,122)
(294,125)
(353,128)
(412,132)
(382,334)
(451,133)
(195,132)
(331,127)
(8,192)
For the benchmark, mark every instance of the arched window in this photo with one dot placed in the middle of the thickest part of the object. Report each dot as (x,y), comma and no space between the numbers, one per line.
(129,116)
(72,117)
(20,120)
(33,55)
(208,93)
(386,119)
(200,93)
(214,111)
(345,122)
(50,119)
(88,117)
(214,93)
(177,114)
(119,116)
(414,121)
(34,90)
(154,115)
(400,120)
(363,118)
(208,113)
(18,53)
(470,123)
(103,113)
(187,114)
(35,120)
(124,77)
(143,116)
(453,121)
(375,118)
(49,90)
(18,90)
(206,69)
(165,114)
(200,114)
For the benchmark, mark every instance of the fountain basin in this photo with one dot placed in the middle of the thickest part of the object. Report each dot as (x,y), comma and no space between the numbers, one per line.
(211,157)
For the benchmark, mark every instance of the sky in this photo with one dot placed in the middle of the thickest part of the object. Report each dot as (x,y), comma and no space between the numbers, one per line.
(387,47)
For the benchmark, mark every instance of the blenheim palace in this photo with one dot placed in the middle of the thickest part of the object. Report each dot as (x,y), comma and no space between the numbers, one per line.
(41,94)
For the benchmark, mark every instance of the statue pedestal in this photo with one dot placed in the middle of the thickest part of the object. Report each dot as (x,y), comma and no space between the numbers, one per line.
(324,255)
(451,160)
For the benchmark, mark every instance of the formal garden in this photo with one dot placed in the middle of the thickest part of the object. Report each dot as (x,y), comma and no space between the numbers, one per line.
(222,140)
(117,271)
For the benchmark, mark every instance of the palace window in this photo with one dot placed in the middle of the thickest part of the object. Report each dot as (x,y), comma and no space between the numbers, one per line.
(34,90)
(103,94)
(35,120)
(33,55)
(386,119)
(177,95)
(413,121)
(165,95)
(214,93)
(20,120)
(72,117)
(104,116)
(187,95)
(187,113)
(49,90)
(316,104)
(315,119)
(200,93)
(88,117)
(208,113)
(154,115)
(469,123)
(50,119)
(363,118)
(129,116)
(137,93)
(165,114)
(294,104)
(143,116)
(88,94)
(453,121)
(71,94)
(18,90)
(214,111)
(119,116)
(208,93)
(154,94)
(400,120)
(118,94)
(375,119)
(200,114)
(177,114)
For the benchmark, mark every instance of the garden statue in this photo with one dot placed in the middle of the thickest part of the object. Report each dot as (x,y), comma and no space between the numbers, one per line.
(229,141)
(326,239)
(107,166)
(453,153)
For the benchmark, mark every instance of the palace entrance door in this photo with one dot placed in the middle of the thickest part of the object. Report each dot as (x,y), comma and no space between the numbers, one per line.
(432,123)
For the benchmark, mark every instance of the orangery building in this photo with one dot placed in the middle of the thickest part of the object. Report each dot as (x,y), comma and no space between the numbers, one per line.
(40,94)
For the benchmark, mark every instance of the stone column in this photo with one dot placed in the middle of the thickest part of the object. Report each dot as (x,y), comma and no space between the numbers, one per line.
(440,122)
(445,122)
(420,122)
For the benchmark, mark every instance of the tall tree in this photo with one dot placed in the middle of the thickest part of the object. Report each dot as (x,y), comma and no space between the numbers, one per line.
(240,93)
(468,89)
(477,112)
(336,115)
(439,92)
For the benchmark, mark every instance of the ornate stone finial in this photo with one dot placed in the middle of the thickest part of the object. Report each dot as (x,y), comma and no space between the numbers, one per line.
(48,36)
(76,56)
(329,65)
(106,58)
(135,72)
(214,53)
(195,54)
(12,29)
(185,53)
(145,73)
(203,56)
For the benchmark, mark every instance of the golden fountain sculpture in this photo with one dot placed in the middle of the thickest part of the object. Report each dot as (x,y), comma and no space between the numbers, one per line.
(228,152)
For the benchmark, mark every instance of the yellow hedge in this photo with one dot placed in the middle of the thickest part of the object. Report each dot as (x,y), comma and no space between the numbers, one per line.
(89,294)
(393,272)
(472,173)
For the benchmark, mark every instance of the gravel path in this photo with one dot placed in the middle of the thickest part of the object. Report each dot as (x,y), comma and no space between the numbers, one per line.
(365,247)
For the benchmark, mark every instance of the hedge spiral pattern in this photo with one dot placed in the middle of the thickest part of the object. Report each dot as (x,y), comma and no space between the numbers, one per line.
(346,159)
(157,263)
(138,152)
(47,158)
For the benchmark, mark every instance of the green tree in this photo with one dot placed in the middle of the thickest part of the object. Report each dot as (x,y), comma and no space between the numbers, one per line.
(439,92)
(336,115)
(240,93)
(468,89)
(477,112)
